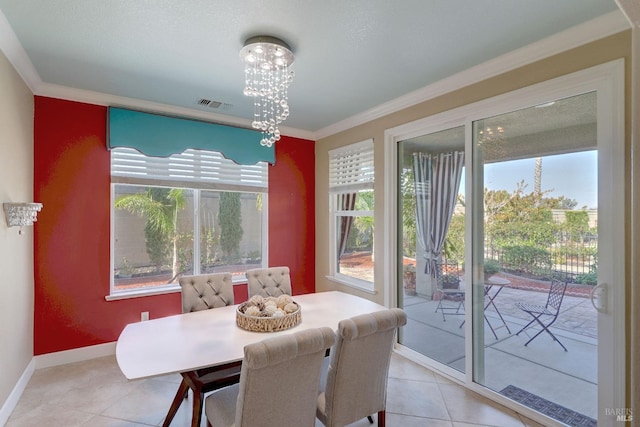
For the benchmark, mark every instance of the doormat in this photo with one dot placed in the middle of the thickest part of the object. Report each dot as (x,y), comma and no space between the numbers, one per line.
(548,408)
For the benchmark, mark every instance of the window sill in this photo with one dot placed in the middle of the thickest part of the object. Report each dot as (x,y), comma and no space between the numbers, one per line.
(142,292)
(157,290)
(360,285)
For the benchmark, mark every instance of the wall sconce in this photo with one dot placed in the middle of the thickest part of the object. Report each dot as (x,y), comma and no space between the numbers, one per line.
(21,214)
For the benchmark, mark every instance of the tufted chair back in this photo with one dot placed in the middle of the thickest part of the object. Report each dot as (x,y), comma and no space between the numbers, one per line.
(278,383)
(268,282)
(205,291)
(356,383)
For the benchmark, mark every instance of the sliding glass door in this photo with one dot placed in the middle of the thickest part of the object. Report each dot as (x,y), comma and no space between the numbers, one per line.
(535,329)
(432,227)
(510,249)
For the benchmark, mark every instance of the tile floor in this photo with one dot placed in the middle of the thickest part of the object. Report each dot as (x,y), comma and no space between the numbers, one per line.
(95,393)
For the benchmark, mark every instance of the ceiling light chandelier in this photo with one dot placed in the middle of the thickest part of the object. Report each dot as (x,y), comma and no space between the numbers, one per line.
(267,78)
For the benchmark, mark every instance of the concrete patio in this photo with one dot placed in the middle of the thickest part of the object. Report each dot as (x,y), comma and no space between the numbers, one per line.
(542,367)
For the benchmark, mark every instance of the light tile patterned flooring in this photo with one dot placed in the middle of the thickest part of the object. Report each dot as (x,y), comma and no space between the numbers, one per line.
(95,393)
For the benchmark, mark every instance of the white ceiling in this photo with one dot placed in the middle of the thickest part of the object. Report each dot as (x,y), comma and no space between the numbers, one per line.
(352,56)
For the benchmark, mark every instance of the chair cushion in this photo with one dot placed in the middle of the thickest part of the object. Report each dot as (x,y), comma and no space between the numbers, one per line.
(220,408)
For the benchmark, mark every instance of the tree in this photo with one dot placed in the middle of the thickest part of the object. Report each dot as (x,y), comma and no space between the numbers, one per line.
(230,223)
(537,176)
(409,233)
(160,207)
(454,244)
(561,203)
(577,224)
(519,218)
(364,224)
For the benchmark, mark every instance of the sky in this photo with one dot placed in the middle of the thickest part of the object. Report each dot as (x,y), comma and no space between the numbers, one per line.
(572,175)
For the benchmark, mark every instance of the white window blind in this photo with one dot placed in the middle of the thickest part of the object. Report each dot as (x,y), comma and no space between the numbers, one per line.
(351,167)
(191,168)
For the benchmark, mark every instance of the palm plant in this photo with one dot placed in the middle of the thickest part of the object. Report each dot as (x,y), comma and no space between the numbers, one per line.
(160,207)
(364,224)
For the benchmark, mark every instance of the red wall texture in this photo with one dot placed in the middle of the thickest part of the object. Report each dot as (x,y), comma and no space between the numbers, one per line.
(72,236)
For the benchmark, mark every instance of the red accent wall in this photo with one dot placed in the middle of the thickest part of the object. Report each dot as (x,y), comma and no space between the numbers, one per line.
(292,212)
(72,236)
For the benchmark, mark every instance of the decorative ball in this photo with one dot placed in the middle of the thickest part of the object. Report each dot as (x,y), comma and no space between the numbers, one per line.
(252,310)
(273,300)
(269,309)
(256,300)
(283,300)
(291,307)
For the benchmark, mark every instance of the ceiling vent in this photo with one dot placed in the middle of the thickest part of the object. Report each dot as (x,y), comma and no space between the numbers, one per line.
(209,103)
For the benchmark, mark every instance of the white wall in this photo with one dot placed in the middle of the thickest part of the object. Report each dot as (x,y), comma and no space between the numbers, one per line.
(16,251)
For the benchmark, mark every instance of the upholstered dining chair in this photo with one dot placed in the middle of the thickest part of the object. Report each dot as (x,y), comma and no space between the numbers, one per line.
(268,282)
(278,383)
(356,382)
(204,292)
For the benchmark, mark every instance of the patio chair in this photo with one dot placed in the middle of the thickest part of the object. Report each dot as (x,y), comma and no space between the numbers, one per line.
(268,282)
(545,315)
(278,385)
(448,288)
(356,380)
(203,292)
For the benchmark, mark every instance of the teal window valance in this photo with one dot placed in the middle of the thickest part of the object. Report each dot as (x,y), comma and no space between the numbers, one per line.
(161,136)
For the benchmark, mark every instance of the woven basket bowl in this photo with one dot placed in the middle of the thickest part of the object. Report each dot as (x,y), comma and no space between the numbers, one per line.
(267,324)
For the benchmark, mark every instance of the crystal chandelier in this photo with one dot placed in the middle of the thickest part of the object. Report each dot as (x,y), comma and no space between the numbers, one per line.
(267,78)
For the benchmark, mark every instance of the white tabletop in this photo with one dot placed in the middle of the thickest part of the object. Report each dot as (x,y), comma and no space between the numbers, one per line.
(496,281)
(185,342)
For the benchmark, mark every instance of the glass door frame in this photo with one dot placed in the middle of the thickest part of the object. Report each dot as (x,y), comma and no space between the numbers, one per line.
(608,81)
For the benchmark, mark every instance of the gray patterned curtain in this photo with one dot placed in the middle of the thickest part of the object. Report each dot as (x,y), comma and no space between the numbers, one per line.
(437,180)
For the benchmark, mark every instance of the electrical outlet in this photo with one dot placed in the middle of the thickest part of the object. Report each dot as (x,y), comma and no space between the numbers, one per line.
(144,316)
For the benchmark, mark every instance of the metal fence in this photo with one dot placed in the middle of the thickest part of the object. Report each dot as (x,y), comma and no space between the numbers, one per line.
(571,257)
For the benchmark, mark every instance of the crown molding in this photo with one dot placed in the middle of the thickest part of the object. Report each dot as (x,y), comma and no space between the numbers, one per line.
(100,98)
(603,26)
(17,56)
(631,10)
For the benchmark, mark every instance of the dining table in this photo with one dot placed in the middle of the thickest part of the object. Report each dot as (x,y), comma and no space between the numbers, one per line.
(196,340)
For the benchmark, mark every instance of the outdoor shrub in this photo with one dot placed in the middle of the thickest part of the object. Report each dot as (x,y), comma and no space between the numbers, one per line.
(590,278)
(528,259)
(491,266)
(450,281)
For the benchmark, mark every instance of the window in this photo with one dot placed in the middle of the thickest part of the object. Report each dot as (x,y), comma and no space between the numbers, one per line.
(351,180)
(190,213)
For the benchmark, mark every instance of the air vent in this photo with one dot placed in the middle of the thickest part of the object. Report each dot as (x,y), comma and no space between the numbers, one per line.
(209,103)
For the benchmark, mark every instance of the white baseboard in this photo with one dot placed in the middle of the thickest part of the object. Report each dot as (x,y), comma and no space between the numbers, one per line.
(9,405)
(75,355)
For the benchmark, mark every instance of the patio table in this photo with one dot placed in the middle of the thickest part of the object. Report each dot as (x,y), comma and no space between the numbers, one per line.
(499,283)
